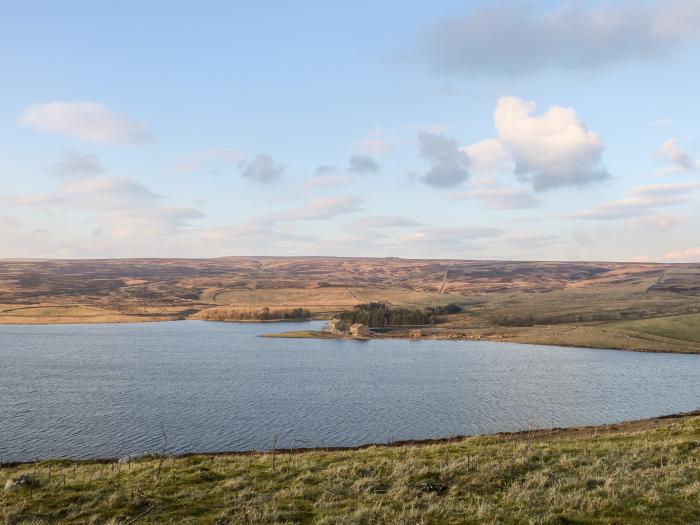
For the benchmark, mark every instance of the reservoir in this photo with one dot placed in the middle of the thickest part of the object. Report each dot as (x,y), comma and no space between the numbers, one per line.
(108,390)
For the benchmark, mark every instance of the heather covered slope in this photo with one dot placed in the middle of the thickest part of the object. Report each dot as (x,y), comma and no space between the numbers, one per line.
(568,303)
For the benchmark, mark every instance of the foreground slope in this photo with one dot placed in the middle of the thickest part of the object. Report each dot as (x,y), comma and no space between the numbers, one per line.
(639,472)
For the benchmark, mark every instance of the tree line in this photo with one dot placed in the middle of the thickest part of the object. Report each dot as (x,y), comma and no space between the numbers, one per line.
(263,314)
(382,314)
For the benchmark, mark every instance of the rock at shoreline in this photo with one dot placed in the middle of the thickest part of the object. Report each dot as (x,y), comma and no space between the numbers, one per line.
(25,480)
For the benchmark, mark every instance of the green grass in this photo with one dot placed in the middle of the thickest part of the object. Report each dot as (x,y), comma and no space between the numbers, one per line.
(651,476)
(683,327)
(303,334)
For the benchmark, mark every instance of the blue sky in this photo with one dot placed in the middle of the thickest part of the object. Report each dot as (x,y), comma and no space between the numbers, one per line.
(538,130)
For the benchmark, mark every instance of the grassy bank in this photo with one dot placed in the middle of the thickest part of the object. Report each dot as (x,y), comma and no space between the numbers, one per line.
(303,334)
(644,472)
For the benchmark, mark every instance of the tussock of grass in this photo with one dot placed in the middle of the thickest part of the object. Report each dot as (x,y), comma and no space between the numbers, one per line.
(651,476)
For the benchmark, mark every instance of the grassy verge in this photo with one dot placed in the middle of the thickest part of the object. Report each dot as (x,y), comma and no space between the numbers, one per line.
(303,334)
(647,473)
(679,327)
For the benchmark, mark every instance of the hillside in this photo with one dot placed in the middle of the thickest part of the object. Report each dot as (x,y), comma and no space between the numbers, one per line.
(550,302)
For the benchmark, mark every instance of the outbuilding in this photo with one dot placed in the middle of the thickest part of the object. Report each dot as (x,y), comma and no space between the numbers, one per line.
(359,330)
(337,327)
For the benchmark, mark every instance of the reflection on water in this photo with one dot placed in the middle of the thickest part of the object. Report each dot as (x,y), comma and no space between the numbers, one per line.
(104,390)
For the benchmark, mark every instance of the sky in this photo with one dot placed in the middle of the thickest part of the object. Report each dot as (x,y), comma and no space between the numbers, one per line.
(535,130)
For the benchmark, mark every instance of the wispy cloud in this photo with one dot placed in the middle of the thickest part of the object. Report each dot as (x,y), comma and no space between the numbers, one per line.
(383,221)
(687,255)
(677,159)
(495,196)
(87,121)
(640,201)
(376,144)
(663,222)
(8,221)
(75,163)
(452,235)
(316,210)
(118,207)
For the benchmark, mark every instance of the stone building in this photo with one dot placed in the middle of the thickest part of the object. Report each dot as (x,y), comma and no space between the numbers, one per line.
(337,327)
(359,330)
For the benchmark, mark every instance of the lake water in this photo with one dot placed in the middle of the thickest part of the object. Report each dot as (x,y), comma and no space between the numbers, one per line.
(105,390)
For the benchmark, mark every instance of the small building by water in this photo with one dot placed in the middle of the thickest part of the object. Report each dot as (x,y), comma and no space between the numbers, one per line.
(415,333)
(336,327)
(359,330)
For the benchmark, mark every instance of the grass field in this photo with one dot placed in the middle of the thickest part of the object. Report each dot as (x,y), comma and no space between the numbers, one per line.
(646,472)
(683,327)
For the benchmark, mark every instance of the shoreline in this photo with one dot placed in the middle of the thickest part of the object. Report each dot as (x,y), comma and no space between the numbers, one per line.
(584,336)
(534,435)
(660,348)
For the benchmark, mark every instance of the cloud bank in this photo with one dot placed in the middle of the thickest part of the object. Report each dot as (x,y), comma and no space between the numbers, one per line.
(513,38)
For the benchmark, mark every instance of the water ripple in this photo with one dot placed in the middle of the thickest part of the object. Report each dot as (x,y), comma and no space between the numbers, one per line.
(105,390)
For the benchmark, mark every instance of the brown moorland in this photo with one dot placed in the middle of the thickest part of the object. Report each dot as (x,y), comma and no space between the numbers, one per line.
(639,306)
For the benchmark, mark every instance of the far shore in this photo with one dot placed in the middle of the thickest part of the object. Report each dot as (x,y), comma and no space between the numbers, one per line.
(598,336)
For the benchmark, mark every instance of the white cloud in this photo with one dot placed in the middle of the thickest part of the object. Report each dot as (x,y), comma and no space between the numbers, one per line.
(640,201)
(512,38)
(678,160)
(552,150)
(88,121)
(688,255)
(489,157)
